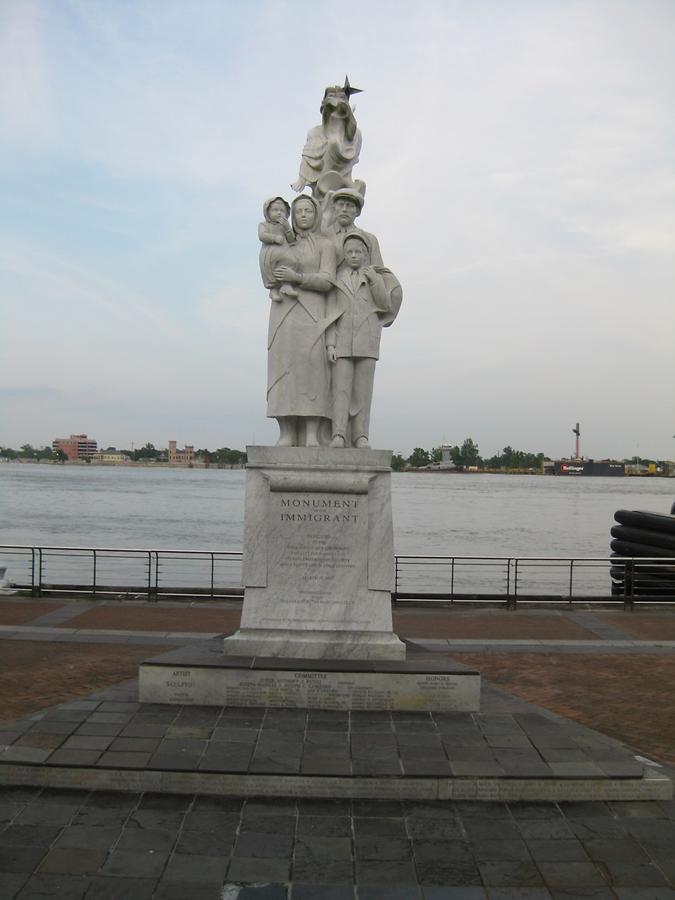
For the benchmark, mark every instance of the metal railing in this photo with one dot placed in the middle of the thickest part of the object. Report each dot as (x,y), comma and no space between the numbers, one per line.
(151,574)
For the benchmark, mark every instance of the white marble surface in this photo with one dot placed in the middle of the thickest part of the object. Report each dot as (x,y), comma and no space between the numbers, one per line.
(318,566)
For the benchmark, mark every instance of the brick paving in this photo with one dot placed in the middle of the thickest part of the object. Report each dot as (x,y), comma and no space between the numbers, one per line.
(20,612)
(158,618)
(488,624)
(645,626)
(77,845)
(35,675)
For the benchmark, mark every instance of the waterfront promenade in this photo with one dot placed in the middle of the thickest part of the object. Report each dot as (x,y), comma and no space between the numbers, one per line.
(62,664)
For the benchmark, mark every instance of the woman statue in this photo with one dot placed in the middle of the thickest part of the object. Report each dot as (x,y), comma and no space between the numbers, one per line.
(298,378)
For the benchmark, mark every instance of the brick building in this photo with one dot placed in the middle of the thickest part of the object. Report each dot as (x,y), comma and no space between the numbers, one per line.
(77,446)
(180,457)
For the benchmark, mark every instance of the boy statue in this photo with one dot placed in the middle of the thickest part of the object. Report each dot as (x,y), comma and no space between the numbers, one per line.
(367,298)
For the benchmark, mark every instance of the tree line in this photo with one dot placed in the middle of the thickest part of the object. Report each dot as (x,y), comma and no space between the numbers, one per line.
(468,456)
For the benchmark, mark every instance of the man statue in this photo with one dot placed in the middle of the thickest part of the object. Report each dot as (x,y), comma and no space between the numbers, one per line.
(345,205)
(367,297)
(332,148)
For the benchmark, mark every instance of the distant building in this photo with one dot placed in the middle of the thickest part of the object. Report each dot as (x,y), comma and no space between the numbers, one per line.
(180,457)
(110,457)
(446,457)
(77,446)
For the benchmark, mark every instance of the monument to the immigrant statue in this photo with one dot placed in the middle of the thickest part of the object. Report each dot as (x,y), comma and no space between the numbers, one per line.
(318,543)
(318,563)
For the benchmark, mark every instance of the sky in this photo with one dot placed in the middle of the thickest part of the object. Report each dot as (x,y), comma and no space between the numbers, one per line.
(519,157)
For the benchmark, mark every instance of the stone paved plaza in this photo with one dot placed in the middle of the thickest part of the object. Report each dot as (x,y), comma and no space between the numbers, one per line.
(161,839)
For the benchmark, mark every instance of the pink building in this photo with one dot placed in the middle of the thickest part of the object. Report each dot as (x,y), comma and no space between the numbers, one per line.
(77,446)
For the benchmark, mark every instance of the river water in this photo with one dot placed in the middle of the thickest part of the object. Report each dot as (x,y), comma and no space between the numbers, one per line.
(434,513)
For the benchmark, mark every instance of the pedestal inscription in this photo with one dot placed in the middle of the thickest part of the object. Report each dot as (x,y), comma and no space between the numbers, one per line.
(319,542)
(230,686)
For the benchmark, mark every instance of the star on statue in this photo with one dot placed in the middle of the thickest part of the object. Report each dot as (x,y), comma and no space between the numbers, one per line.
(349,90)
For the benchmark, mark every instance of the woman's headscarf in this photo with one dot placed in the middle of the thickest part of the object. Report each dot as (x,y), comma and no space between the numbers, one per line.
(317,211)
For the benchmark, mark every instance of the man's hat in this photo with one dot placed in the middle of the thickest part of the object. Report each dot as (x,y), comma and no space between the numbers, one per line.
(349,194)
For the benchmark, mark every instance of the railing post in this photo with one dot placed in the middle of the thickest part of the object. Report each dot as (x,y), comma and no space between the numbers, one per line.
(512,600)
(93,587)
(571,580)
(212,567)
(452,578)
(149,574)
(39,585)
(33,587)
(628,585)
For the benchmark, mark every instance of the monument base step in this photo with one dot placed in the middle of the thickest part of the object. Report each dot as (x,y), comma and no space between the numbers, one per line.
(652,786)
(204,676)
(297,644)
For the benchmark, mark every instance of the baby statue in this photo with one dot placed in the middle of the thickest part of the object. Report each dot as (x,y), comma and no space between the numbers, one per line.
(276,235)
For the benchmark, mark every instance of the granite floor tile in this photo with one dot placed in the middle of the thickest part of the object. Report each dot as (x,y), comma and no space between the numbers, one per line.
(73,861)
(458,874)
(309,871)
(377,847)
(264,806)
(102,888)
(38,739)
(98,728)
(150,839)
(11,883)
(434,829)
(435,892)
(252,845)
(382,825)
(21,858)
(324,826)
(195,867)
(383,872)
(390,892)
(45,813)
(136,863)
(630,873)
(191,890)
(574,875)
(486,828)
(81,837)
(510,874)
(322,891)
(625,848)
(113,760)
(318,848)
(490,850)
(208,821)
(267,824)
(47,886)
(545,829)
(256,870)
(557,850)
(66,757)
(29,835)
(88,742)
(216,843)
(308,806)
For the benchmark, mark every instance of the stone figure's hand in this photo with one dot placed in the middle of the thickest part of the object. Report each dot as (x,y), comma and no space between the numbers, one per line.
(285,273)
(299,185)
(278,239)
(370,274)
(331,354)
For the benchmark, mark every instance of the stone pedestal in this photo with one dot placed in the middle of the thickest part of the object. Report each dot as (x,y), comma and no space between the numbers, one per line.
(318,567)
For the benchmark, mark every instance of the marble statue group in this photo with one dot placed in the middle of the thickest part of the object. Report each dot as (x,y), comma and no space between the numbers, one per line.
(330,292)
